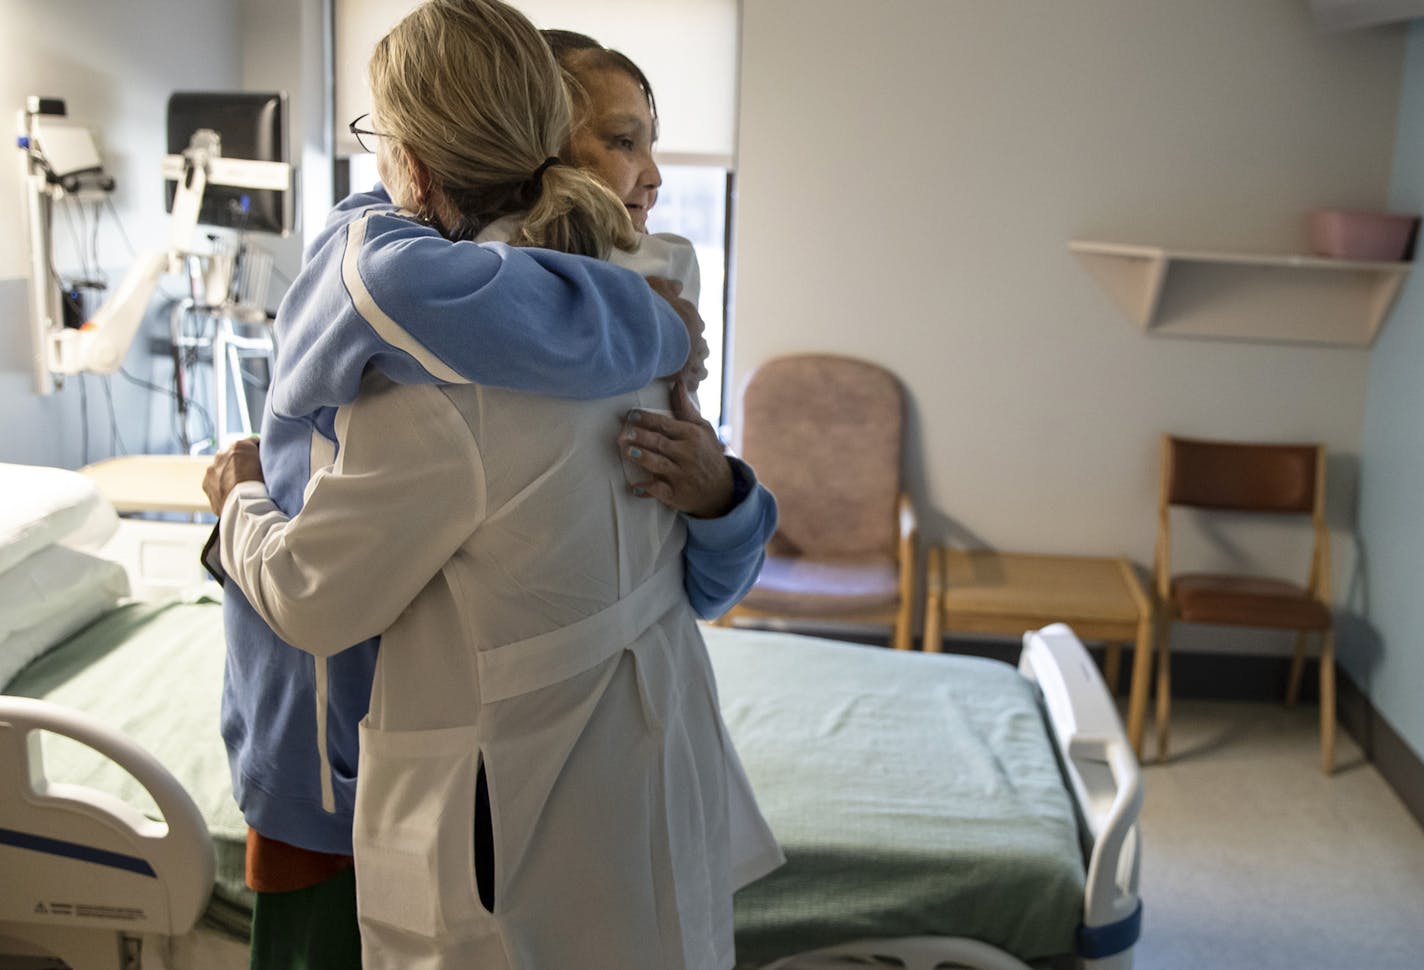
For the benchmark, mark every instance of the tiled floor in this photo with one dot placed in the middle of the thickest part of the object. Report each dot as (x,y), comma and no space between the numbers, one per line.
(1255,860)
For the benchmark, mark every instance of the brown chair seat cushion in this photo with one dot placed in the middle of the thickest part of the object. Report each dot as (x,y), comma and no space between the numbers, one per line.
(1247,601)
(824,587)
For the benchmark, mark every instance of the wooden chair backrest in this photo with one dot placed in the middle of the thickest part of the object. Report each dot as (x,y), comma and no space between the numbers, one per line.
(1243,477)
(1285,479)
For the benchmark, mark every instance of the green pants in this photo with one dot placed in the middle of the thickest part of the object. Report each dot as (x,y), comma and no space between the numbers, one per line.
(308,929)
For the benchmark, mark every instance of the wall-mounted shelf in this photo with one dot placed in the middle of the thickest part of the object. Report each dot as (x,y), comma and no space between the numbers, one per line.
(1245,296)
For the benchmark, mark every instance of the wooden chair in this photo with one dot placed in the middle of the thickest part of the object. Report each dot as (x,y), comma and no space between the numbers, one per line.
(1282,479)
(824,433)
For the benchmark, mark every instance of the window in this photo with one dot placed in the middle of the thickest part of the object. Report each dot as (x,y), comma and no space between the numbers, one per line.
(693,203)
(363,173)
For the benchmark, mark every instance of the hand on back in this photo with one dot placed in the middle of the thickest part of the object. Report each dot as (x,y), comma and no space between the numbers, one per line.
(686,467)
(239,462)
(695,370)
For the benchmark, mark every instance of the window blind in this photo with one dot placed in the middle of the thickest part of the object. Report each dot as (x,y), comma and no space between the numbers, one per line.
(687,48)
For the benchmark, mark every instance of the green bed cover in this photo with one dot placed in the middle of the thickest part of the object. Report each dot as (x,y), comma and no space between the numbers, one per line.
(913,794)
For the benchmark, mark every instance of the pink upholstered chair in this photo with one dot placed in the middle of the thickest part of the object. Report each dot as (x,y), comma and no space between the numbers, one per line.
(824,433)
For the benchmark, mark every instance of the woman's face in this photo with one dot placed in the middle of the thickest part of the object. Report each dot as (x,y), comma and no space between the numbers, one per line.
(616,141)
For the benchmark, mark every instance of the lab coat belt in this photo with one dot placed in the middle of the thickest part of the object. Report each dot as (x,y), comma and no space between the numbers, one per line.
(539,661)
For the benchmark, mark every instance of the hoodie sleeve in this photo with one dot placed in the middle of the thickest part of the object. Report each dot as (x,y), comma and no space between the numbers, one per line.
(383,291)
(724,556)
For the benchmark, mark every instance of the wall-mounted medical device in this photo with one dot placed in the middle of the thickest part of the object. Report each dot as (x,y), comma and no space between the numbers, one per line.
(244,137)
(226,167)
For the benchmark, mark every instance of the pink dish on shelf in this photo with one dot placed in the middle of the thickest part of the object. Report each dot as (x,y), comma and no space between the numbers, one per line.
(1354,234)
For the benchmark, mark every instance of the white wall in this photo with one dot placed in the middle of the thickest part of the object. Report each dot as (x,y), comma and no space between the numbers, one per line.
(1382,642)
(115,65)
(911,170)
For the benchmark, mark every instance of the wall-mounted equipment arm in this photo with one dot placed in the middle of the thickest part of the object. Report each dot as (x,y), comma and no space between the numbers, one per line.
(100,345)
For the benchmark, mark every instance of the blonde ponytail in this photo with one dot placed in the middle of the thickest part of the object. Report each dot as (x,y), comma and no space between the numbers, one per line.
(576,212)
(470,89)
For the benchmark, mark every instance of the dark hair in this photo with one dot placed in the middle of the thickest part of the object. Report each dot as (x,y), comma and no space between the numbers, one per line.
(561,42)
(578,53)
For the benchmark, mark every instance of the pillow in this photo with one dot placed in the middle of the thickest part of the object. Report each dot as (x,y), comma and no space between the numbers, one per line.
(44,505)
(54,593)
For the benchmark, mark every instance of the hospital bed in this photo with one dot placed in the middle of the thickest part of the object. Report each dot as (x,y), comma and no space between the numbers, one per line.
(936,811)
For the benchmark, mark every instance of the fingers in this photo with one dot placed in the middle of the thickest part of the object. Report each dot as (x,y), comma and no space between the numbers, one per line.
(696,328)
(658,444)
(654,453)
(239,462)
(682,408)
(699,351)
(655,463)
(217,480)
(646,427)
(665,288)
(212,487)
(684,436)
(655,488)
(246,460)
(685,465)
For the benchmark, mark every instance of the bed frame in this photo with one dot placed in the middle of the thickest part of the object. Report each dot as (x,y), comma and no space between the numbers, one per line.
(143,877)
(87,874)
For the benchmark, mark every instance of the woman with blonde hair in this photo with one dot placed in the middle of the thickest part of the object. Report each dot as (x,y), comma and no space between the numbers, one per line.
(544,777)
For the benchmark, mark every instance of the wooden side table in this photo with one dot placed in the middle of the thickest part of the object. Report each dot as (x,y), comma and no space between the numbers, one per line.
(153,483)
(985,591)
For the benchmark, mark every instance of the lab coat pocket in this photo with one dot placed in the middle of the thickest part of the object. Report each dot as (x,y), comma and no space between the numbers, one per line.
(414,838)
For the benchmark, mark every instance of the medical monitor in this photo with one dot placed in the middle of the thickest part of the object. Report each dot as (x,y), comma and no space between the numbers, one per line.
(249,126)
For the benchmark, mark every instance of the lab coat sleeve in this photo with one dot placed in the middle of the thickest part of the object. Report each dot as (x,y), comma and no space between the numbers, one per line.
(724,556)
(376,527)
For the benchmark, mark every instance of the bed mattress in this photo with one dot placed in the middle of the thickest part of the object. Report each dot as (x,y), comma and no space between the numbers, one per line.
(913,794)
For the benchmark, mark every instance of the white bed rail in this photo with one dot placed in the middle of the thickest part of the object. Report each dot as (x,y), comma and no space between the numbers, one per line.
(86,873)
(1103,773)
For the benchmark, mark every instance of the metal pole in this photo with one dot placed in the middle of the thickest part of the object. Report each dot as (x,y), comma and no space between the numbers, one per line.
(45,316)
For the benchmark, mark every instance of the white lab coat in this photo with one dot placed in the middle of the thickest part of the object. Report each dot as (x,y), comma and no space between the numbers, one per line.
(533,618)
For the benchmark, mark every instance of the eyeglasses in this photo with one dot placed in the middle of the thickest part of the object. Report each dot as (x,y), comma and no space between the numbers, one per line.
(362,134)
